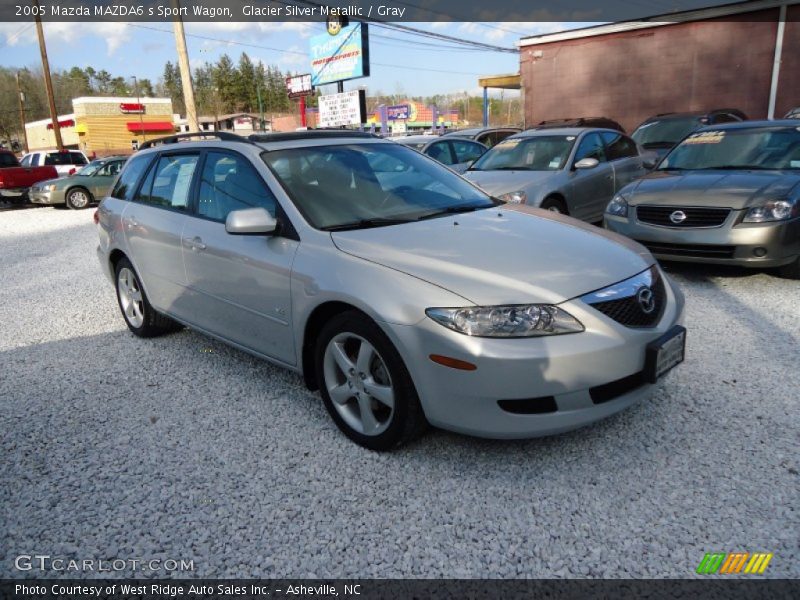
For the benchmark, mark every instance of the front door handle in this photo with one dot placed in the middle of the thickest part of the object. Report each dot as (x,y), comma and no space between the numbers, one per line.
(195,243)
(131,223)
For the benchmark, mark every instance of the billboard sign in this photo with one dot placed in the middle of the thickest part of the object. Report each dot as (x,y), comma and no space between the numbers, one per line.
(341,56)
(347,108)
(299,85)
(399,112)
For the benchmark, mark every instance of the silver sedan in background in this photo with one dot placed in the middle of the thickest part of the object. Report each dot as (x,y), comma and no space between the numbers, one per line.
(574,171)
(455,152)
(405,294)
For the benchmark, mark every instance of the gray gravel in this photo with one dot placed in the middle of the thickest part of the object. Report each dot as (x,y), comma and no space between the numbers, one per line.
(179,447)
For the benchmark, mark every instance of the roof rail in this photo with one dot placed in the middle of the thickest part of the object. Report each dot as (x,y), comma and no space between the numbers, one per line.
(309,135)
(225,136)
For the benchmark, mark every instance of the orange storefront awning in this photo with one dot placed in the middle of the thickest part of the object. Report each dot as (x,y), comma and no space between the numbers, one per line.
(136,126)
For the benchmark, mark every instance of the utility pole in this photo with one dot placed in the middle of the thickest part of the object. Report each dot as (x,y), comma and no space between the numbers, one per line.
(48,83)
(260,106)
(186,72)
(21,97)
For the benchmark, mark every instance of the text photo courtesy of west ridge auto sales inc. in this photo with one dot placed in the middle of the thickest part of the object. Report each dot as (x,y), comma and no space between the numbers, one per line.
(397,300)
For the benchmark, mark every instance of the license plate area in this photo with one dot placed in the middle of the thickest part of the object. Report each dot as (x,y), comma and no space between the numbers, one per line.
(664,354)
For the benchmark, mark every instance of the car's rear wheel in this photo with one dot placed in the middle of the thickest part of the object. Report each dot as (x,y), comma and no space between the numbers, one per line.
(792,270)
(365,385)
(555,205)
(78,198)
(140,317)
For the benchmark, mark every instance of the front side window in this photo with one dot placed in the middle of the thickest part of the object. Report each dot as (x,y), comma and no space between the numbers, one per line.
(767,148)
(441,152)
(369,184)
(534,153)
(591,146)
(228,182)
(169,182)
(131,174)
(619,146)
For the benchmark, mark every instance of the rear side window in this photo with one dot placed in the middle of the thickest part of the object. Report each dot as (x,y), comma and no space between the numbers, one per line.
(619,146)
(35,158)
(467,151)
(230,183)
(169,182)
(440,152)
(131,174)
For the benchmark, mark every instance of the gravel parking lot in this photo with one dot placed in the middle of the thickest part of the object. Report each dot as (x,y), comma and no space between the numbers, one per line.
(182,448)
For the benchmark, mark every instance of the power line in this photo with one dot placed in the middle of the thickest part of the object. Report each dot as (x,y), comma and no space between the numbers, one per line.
(15,36)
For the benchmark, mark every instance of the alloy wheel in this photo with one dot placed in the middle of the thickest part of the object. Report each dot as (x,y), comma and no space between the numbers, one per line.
(130,297)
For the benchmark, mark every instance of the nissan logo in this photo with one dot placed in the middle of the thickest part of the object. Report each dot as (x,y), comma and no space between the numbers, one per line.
(647,300)
(677,217)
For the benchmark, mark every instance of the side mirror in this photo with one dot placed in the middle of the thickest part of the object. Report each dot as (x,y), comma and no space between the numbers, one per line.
(649,161)
(586,163)
(250,221)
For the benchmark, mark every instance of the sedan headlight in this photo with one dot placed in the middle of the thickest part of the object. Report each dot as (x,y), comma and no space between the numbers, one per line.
(618,206)
(772,210)
(50,188)
(518,197)
(513,321)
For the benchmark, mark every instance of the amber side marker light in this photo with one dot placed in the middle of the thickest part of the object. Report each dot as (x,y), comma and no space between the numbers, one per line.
(453,363)
(96,217)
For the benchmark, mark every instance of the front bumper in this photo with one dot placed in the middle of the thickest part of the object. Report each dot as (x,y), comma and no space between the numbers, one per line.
(13,193)
(45,197)
(761,245)
(565,371)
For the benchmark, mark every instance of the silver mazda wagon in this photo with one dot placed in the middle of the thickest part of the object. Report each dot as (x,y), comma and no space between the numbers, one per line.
(401,291)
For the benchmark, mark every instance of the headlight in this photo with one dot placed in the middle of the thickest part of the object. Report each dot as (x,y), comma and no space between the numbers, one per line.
(50,188)
(518,197)
(772,210)
(527,320)
(618,206)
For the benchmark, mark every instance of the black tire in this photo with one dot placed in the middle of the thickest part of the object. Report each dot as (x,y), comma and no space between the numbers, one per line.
(792,270)
(153,323)
(555,204)
(407,421)
(78,198)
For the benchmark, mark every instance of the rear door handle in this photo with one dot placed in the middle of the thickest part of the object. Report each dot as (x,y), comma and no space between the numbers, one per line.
(195,243)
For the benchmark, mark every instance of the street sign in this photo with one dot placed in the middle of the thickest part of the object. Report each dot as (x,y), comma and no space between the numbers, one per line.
(341,56)
(299,85)
(347,108)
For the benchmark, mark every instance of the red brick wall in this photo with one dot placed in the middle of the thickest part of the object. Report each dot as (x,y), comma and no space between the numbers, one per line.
(632,75)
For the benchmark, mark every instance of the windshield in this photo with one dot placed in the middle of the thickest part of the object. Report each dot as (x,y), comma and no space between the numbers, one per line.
(668,131)
(737,149)
(91,168)
(367,185)
(536,153)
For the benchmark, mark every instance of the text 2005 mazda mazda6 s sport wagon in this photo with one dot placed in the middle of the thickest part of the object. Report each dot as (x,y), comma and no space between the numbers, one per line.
(401,291)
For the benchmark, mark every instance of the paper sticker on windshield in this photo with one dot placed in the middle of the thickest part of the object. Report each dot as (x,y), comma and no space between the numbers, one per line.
(554,164)
(794,164)
(570,138)
(705,137)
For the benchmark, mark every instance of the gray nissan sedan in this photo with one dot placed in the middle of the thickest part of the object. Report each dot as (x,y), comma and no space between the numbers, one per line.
(728,194)
(402,292)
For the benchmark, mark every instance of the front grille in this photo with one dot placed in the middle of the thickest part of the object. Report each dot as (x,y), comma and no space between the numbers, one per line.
(628,311)
(609,391)
(690,250)
(695,217)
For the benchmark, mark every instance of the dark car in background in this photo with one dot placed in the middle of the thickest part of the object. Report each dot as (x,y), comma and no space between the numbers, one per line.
(488,136)
(456,152)
(659,134)
(597,122)
(728,194)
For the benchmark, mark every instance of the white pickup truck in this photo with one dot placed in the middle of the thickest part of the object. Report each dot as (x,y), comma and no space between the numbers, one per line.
(66,162)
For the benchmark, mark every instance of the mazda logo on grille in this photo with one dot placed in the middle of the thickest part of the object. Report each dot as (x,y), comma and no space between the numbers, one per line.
(647,300)
(677,217)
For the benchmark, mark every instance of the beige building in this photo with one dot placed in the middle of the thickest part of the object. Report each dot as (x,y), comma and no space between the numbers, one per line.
(106,125)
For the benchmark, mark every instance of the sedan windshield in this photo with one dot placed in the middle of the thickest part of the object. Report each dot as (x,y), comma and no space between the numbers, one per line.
(353,186)
(766,148)
(536,153)
(664,133)
(91,168)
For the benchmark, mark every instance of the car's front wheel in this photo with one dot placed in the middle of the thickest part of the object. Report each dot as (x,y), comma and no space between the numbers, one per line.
(554,204)
(78,198)
(365,385)
(140,317)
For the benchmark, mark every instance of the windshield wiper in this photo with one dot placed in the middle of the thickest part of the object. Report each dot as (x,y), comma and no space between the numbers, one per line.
(735,168)
(451,210)
(366,223)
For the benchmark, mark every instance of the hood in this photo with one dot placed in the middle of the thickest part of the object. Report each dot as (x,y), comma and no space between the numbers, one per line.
(724,189)
(46,182)
(536,256)
(496,183)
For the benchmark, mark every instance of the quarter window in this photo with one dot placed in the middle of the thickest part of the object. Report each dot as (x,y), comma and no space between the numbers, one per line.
(169,183)
(619,146)
(591,146)
(228,183)
(126,184)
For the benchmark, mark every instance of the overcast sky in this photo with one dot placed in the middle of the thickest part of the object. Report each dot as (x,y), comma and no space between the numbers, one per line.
(401,64)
